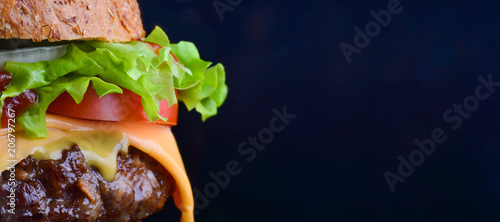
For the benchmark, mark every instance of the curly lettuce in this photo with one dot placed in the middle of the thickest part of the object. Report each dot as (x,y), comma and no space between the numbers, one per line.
(108,67)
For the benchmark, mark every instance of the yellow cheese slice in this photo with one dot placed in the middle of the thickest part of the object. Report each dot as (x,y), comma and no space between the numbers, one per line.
(100,142)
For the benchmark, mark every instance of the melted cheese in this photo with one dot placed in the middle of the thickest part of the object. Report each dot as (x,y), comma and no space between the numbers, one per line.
(100,142)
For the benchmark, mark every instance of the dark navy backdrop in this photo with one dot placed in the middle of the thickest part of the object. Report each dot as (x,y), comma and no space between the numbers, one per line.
(353,119)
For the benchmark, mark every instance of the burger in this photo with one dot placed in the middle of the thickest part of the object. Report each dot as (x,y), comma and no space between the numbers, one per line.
(88,102)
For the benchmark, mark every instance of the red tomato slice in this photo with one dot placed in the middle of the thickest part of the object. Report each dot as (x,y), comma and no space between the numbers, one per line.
(111,107)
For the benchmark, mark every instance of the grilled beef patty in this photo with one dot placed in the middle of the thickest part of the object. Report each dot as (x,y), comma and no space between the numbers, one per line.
(69,190)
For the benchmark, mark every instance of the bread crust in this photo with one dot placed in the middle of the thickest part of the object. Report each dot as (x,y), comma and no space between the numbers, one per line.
(57,20)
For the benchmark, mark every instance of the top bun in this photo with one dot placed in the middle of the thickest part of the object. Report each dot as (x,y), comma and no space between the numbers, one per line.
(57,20)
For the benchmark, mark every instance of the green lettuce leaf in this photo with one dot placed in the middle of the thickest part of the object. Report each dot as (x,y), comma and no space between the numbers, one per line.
(33,121)
(205,89)
(109,66)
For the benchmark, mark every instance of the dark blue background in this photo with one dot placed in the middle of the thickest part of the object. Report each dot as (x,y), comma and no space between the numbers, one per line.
(354,120)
